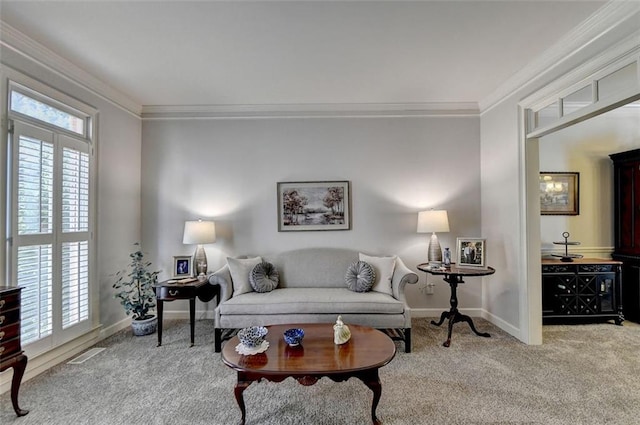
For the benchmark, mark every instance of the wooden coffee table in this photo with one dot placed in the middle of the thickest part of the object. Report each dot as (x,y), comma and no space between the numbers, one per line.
(361,357)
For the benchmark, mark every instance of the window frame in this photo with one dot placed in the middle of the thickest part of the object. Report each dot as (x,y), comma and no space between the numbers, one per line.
(14,80)
(56,99)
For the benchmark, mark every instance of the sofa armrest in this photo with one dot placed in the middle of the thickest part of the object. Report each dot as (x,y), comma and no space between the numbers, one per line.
(401,276)
(222,277)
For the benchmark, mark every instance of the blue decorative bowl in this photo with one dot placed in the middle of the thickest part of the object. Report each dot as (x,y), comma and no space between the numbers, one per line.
(293,336)
(252,336)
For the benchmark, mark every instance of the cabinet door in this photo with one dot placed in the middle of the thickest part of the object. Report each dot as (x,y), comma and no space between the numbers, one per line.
(552,287)
(628,209)
(631,290)
(606,286)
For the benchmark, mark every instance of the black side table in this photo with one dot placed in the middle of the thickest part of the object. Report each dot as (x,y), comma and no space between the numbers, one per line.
(453,276)
(172,290)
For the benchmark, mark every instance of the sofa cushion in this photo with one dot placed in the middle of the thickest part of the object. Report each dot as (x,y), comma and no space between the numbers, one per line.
(312,300)
(359,277)
(240,269)
(264,277)
(313,267)
(383,266)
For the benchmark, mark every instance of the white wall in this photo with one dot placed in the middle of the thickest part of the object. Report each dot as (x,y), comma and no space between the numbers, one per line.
(227,170)
(500,216)
(585,148)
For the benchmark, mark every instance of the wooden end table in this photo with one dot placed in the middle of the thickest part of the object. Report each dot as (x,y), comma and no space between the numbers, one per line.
(361,357)
(453,276)
(171,290)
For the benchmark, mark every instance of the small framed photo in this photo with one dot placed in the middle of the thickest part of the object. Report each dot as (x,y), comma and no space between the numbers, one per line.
(182,266)
(322,205)
(471,252)
(559,193)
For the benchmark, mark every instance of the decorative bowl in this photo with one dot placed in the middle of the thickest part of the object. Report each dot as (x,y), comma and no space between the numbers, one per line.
(293,336)
(252,336)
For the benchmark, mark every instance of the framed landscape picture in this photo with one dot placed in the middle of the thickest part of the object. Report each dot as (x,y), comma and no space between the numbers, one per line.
(559,193)
(322,205)
(471,252)
(182,266)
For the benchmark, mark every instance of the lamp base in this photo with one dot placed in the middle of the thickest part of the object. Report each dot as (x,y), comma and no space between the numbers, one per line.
(200,261)
(434,253)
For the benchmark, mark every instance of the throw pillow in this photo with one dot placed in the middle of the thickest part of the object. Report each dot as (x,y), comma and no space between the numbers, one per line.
(240,268)
(383,267)
(360,276)
(264,277)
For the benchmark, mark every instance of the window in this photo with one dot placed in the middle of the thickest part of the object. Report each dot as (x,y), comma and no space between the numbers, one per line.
(24,104)
(51,216)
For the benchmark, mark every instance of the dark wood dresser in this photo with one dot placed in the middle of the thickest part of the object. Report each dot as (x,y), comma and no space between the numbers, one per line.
(11,354)
(587,288)
(626,187)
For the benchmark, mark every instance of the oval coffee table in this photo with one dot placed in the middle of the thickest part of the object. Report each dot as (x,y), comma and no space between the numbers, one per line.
(361,357)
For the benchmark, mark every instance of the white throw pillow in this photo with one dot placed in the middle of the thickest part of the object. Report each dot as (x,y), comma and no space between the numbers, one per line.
(240,268)
(383,266)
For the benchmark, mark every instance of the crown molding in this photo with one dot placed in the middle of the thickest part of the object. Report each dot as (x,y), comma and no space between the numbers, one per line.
(324,110)
(601,22)
(606,18)
(13,39)
(18,42)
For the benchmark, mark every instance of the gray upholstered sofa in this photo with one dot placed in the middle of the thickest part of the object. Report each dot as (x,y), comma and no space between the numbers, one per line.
(312,289)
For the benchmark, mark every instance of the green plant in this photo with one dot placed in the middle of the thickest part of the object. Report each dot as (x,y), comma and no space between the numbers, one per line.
(134,286)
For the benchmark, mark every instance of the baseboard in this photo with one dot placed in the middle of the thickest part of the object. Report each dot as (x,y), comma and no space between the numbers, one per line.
(472,312)
(115,328)
(436,312)
(505,326)
(184,314)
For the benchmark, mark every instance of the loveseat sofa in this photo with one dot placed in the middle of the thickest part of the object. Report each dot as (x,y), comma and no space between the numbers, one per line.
(312,289)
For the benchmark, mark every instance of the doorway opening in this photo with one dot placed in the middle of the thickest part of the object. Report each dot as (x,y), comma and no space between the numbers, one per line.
(563,104)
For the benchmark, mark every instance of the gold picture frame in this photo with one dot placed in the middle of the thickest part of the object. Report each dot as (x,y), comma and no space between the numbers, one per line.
(559,193)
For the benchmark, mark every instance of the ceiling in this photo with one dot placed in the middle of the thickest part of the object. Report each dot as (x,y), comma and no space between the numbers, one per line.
(299,52)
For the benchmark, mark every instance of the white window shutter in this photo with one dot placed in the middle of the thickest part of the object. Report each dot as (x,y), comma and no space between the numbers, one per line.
(51,221)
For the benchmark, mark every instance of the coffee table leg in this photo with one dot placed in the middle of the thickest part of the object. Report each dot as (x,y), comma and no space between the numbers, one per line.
(372,380)
(241,385)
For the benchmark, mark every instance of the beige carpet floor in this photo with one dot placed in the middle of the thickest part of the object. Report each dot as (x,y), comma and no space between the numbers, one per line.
(582,374)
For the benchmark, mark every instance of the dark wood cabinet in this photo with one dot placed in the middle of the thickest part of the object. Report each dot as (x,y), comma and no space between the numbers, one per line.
(585,288)
(626,186)
(11,354)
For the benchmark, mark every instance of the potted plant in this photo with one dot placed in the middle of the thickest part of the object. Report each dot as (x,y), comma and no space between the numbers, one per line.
(134,288)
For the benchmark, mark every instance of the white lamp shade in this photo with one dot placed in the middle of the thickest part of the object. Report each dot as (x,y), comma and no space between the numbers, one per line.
(433,221)
(199,232)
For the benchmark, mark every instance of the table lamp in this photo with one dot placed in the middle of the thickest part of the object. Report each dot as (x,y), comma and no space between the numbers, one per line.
(200,233)
(433,221)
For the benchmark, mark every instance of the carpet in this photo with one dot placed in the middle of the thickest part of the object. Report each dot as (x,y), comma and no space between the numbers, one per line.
(582,374)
